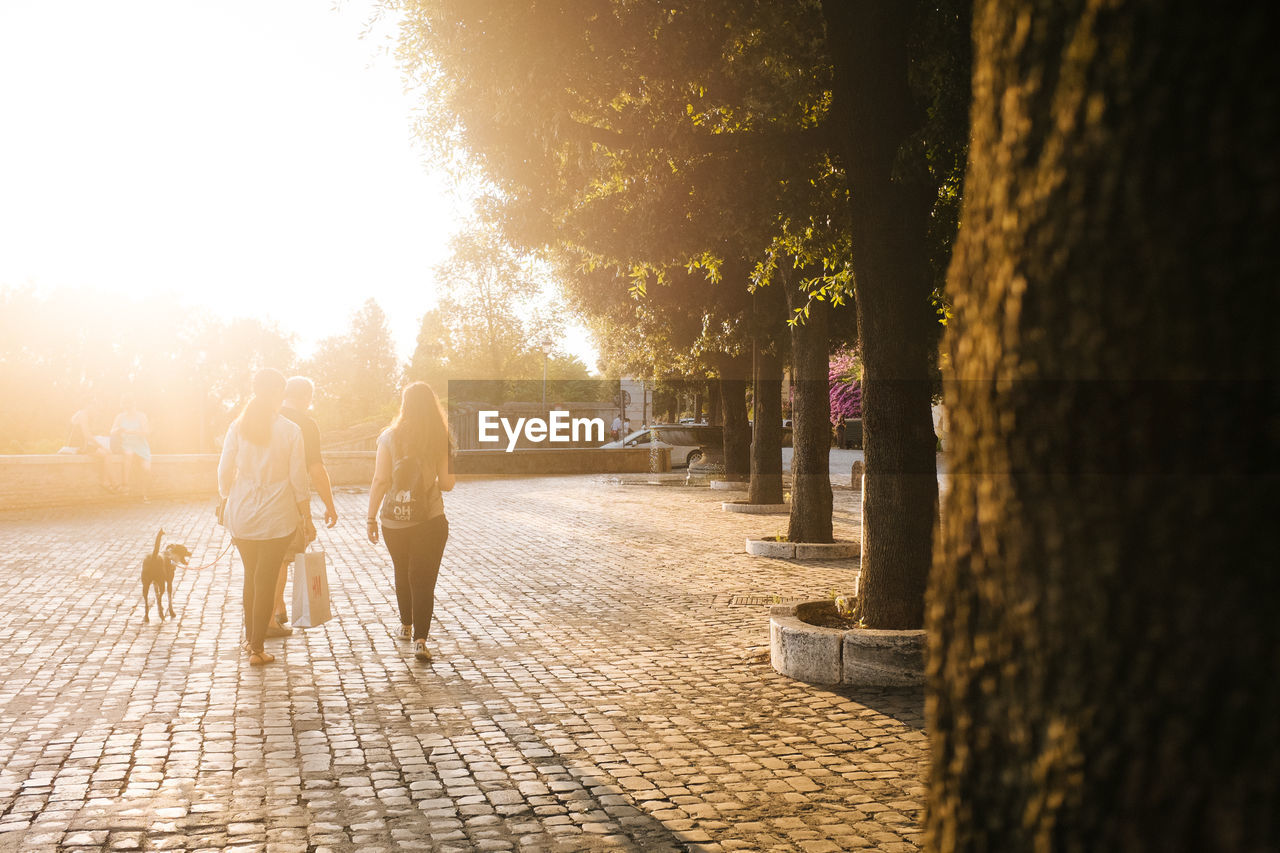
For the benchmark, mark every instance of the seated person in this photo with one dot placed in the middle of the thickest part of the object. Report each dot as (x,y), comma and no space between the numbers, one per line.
(81,438)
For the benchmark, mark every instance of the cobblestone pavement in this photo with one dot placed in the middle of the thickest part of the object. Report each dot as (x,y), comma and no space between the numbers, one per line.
(599,684)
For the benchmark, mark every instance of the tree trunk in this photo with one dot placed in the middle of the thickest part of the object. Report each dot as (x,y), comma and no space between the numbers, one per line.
(766,434)
(737,435)
(811,424)
(1102,614)
(890,219)
(768,313)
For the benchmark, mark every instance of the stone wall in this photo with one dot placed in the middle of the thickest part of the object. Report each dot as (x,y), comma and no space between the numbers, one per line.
(349,467)
(56,480)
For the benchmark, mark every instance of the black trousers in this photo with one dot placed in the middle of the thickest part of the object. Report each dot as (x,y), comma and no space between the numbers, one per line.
(262,559)
(415,552)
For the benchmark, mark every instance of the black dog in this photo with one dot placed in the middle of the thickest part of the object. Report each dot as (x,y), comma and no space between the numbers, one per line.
(157,571)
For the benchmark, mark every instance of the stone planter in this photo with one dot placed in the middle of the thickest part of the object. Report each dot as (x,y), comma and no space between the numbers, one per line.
(826,550)
(770,548)
(729,485)
(856,656)
(756,509)
(802,550)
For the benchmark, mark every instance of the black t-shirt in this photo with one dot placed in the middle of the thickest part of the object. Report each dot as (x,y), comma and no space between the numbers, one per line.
(310,434)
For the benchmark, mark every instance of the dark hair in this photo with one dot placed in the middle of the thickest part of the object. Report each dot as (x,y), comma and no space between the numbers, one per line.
(255,421)
(420,428)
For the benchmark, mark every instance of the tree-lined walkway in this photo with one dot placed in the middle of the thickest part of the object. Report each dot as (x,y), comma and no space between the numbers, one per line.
(597,686)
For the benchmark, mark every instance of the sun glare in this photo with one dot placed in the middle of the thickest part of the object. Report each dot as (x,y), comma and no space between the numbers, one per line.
(252,158)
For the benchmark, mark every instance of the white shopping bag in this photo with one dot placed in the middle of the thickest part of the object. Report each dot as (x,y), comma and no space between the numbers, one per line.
(310,590)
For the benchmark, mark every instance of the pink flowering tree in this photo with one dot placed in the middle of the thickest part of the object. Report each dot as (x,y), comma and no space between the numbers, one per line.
(845,375)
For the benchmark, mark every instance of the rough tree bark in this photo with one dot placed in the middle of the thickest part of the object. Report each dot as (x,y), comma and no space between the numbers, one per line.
(1104,643)
(768,307)
(766,433)
(893,283)
(810,423)
(737,435)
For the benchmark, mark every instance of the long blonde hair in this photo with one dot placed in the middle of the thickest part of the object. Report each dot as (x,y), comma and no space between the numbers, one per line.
(254,423)
(420,427)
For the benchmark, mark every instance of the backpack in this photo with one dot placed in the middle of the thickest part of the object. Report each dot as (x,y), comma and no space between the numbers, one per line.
(406,499)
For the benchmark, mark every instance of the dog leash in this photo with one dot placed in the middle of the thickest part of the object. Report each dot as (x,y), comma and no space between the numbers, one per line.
(215,559)
(217,511)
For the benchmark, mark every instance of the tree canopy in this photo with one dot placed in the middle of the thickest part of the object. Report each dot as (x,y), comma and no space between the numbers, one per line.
(356,374)
(632,136)
(497,317)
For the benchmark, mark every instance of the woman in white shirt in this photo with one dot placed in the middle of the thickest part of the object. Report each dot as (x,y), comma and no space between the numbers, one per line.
(263,476)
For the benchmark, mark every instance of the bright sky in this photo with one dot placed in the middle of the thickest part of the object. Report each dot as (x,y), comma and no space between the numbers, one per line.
(255,157)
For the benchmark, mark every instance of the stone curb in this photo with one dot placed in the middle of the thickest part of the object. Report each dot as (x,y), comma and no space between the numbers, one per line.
(860,657)
(755,509)
(653,481)
(801,550)
(826,550)
(769,548)
(729,485)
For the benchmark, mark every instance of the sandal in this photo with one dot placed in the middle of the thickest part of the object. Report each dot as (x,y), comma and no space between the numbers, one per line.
(276,630)
(260,658)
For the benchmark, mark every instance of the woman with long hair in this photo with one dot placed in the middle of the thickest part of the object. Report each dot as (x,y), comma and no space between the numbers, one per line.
(263,477)
(409,476)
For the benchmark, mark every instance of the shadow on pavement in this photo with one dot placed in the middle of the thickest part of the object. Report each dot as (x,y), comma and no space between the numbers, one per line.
(904,704)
